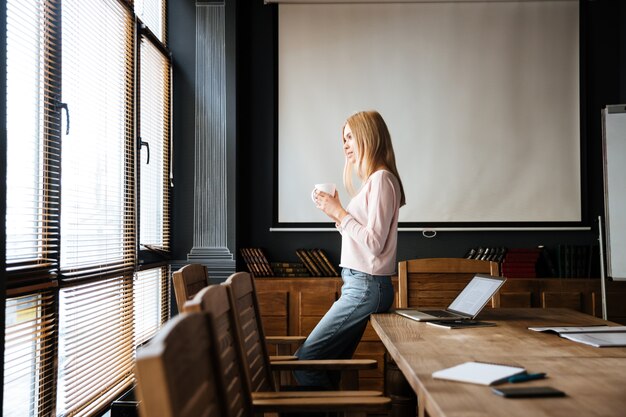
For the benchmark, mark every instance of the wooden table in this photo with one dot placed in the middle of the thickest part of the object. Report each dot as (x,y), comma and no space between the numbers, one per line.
(594,379)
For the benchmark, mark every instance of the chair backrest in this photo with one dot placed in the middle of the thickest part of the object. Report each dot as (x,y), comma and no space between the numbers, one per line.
(188,280)
(435,282)
(175,373)
(215,301)
(242,291)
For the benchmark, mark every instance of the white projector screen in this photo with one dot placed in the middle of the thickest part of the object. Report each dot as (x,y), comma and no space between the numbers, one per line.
(481,99)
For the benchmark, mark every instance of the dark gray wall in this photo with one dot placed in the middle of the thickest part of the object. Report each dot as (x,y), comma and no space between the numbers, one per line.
(181,41)
(603,81)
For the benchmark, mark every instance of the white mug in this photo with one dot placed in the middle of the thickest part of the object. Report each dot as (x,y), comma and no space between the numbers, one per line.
(328,188)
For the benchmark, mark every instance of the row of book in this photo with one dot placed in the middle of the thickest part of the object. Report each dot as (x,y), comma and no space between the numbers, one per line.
(567,261)
(521,262)
(256,262)
(495,254)
(314,262)
(577,261)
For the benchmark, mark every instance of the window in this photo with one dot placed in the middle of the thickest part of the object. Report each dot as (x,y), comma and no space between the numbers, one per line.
(32,223)
(96,347)
(152,13)
(155,135)
(87,82)
(29,354)
(151,293)
(97,200)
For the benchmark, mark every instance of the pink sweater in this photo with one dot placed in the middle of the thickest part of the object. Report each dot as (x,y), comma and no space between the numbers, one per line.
(370,230)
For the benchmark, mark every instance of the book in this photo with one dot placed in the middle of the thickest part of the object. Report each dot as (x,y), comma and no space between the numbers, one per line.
(292,274)
(265,265)
(319,263)
(459,324)
(250,264)
(286,265)
(289,270)
(495,254)
(479,373)
(545,265)
(597,336)
(330,266)
(521,263)
(308,262)
(580,329)
(598,339)
(256,262)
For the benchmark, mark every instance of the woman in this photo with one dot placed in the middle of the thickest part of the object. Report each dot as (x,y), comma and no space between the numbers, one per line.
(368,227)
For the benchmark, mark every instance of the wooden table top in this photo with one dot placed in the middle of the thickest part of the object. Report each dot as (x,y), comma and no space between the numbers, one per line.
(594,379)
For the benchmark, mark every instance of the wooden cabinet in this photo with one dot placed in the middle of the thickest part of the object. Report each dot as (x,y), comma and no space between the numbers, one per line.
(293,306)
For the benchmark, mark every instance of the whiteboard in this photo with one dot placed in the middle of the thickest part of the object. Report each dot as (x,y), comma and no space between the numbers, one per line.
(481,99)
(614,150)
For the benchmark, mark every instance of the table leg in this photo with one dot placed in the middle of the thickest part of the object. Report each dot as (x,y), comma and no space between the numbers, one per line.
(403,398)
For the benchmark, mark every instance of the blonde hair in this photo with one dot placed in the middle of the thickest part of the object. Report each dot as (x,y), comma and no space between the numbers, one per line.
(373,149)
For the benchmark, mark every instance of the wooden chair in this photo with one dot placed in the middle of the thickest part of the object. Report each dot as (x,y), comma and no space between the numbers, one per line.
(215,301)
(245,304)
(191,278)
(188,280)
(284,346)
(175,374)
(435,282)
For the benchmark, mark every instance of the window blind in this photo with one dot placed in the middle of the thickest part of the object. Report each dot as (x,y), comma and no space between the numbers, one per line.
(29,355)
(98,219)
(154,81)
(96,345)
(151,295)
(33,153)
(152,13)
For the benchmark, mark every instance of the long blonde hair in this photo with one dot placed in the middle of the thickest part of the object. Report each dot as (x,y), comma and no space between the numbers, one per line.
(374,149)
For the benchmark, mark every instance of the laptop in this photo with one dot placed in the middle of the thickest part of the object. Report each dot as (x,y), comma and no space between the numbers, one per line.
(465,306)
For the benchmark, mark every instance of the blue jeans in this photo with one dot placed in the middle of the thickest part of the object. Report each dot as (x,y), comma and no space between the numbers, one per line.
(337,335)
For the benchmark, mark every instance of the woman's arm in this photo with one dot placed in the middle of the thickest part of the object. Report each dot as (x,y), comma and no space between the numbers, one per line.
(382,202)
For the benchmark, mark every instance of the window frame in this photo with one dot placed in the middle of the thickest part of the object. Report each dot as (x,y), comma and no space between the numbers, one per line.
(149,255)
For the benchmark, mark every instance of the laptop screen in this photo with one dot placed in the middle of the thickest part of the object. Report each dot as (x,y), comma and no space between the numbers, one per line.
(475,295)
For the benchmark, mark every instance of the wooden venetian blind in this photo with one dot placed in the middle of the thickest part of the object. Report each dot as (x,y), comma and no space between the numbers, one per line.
(151,295)
(153,14)
(155,87)
(96,345)
(98,182)
(33,149)
(29,355)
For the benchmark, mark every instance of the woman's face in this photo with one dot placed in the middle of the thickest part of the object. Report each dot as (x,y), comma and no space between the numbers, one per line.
(349,145)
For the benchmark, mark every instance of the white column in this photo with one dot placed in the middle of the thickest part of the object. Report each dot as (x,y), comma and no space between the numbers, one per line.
(210,214)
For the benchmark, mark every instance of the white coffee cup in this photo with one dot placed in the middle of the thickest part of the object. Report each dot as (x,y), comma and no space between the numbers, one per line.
(327,187)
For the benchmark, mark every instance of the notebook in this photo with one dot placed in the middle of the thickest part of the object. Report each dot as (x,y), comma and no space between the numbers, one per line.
(466,305)
(479,373)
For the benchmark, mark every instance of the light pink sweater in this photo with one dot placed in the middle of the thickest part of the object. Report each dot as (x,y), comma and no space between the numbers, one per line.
(370,230)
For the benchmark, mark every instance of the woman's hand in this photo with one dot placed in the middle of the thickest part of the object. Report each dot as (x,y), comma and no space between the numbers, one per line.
(330,205)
